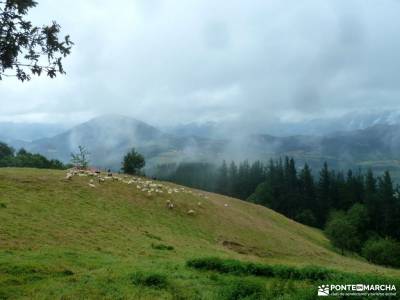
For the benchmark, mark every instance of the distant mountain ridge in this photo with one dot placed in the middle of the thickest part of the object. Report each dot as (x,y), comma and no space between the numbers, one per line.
(318,126)
(109,137)
(326,126)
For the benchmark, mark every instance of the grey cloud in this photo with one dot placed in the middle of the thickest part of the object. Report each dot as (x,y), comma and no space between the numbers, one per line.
(251,62)
(217,35)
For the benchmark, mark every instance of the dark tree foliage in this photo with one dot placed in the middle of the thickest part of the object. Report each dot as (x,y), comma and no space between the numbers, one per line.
(358,217)
(307,190)
(342,233)
(380,207)
(382,251)
(307,217)
(25,159)
(349,230)
(233,179)
(26,49)
(324,194)
(195,175)
(236,181)
(243,186)
(389,206)
(222,179)
(192,174)
(133,162)
(5,150)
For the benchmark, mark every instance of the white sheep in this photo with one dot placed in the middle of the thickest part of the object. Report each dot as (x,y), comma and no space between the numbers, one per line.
(170,205)
(191,212)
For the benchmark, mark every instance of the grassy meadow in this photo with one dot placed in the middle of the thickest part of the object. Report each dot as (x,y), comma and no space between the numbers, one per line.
(63,239)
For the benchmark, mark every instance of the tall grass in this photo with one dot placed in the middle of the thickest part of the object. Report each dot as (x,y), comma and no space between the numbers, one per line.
(309,273)
(243,268)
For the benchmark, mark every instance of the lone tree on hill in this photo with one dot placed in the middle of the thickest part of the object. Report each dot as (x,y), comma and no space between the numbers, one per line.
(81,159)
(26,49)
(133,162)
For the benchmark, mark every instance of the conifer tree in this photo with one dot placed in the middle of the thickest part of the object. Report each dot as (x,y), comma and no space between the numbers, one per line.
(323,194)
(233,176)
(388,204)
(222,185)
(307,189)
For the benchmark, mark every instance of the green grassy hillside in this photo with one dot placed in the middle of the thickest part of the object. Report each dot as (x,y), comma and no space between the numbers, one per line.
(63,239)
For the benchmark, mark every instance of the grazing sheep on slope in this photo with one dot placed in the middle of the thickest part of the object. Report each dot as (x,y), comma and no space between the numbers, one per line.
(170,205)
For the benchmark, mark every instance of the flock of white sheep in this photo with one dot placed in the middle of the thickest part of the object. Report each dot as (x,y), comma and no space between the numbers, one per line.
(144,185)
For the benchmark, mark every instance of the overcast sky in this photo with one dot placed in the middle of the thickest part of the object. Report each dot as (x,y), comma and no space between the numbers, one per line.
(172,61)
